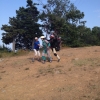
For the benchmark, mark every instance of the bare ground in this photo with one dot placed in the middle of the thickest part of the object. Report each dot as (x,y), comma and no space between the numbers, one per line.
(75,77)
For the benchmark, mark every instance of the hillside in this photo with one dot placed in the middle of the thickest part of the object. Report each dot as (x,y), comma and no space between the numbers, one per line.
(75,77)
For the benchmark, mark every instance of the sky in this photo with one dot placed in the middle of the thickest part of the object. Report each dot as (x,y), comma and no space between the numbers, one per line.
(91,9)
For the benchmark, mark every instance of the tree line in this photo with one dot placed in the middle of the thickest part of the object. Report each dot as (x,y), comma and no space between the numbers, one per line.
(60,16)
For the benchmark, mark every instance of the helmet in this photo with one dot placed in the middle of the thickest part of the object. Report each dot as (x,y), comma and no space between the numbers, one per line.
(51,36)
(52,32)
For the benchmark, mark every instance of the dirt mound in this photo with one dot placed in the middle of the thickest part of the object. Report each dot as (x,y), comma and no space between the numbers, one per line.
(75,77)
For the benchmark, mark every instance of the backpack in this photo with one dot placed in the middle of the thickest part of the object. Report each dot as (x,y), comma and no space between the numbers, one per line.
(58,44)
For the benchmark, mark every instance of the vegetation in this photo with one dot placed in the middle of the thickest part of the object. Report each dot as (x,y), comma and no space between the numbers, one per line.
(7,52)
(57,15)
(23,28)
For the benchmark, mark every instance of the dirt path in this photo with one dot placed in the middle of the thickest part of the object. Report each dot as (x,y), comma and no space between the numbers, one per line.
(75,77)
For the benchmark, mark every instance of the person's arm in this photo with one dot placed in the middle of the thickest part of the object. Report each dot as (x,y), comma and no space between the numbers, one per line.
(40,46)
(48,43)
(38,43)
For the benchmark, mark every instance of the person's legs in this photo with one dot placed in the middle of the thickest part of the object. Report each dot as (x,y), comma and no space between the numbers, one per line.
(43,56)
(38,53)
(55,54)
(35,54)
(49,55)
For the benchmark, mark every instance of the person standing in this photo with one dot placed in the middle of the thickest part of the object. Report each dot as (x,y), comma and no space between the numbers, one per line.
(46,49)
(54,43)
(36,46)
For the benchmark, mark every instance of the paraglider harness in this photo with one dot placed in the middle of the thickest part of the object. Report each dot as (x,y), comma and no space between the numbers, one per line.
(55,42)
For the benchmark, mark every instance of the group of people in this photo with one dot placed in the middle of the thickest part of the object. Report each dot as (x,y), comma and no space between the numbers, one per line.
(46,46)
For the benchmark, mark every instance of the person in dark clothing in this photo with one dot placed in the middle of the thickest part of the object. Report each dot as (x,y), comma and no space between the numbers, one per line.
(58,46)
(53,43)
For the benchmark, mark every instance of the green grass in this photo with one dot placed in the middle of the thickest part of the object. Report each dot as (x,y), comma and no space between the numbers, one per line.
(89,61)
(49,70)
(4,54)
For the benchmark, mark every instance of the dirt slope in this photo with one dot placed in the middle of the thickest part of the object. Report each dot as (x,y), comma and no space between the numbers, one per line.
(75,77)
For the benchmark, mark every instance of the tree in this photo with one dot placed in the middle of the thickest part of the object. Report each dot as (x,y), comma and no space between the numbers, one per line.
(96,34)
(23,28)
(53,15)
(74,15)
(63,17)
(96,31)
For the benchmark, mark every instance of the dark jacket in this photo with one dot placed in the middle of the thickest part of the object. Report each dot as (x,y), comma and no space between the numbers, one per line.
(53,42)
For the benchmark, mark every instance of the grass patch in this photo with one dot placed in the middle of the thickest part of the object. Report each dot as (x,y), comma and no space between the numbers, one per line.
(3,71)
(0,55)
(69,69)
(0,78)
(58,66)
(4,54)
(46,70)
(26,68)
(50,70)
(97,98)
(66,88)
(89,61)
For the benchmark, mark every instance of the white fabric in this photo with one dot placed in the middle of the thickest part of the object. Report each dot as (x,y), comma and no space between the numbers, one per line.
(37,53)
(42,37)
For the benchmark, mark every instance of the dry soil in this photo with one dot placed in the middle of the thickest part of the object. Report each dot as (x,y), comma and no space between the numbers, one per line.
(75,77)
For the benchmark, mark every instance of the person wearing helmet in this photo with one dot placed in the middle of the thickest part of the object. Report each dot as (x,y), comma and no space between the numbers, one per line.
(54,43)
(36,46)
(46,49)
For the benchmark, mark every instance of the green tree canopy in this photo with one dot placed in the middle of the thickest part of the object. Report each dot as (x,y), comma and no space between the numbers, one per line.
(24,27)
(60,16)
(57,15)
